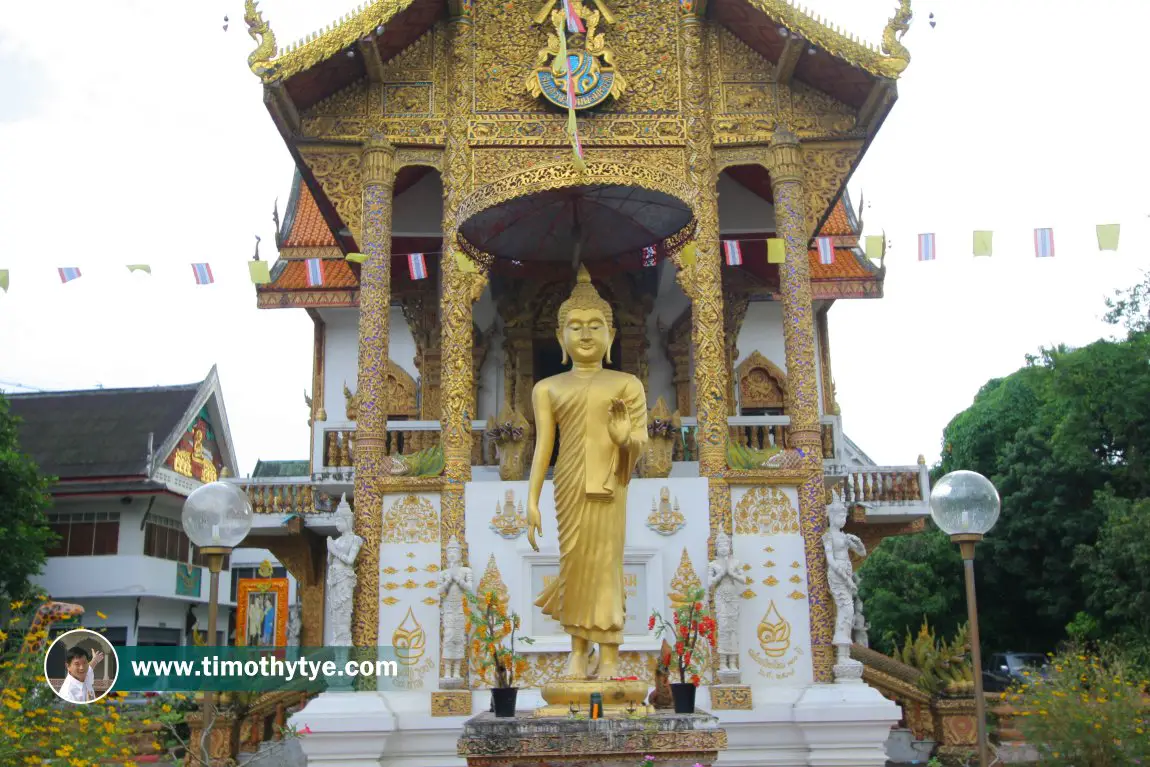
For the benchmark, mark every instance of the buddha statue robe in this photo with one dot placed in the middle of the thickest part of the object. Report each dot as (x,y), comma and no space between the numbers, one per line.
(591,478)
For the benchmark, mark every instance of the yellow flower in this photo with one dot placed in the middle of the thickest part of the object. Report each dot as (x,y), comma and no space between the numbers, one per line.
(17,605)
(101,615)
(166,708)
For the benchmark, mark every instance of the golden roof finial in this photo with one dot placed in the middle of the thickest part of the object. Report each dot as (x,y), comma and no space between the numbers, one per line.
(584,296)
(259,60)
(898,57)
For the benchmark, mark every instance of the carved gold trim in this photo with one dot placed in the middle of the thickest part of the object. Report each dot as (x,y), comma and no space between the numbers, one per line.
(310,251)
(562,175)
(733,697)
(451,703)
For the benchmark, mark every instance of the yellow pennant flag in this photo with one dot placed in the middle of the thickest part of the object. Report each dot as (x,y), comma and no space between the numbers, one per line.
(356,258)
(776,251)
(140,268)
(464,264)
(689,254)
(875,247)
(1108,236)
(983,243)
(259,272)
(4,280)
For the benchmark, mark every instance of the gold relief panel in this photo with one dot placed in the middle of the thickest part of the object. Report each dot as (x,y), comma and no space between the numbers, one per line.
(731,697)
(337,169)
(749,98)
(343,115)
(407,99)
(411,519)
(743,129)
(539,130)
(508,41)
(415,62)
(814,113)
(739,62)
(492,164)
(766,510)
(451,703)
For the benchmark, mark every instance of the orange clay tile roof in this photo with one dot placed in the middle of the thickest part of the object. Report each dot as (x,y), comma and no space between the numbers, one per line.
(337,275)
(837,222)
(845,267)
(308,227)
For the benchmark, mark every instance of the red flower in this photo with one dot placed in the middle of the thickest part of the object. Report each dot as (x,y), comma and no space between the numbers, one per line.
(651,623)
(687,659)
(679,648)
(306,730)
(676,618)
(695,679)
(698,607)
(684,630)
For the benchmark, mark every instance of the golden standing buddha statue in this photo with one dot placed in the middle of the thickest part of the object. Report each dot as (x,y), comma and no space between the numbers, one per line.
(602,420)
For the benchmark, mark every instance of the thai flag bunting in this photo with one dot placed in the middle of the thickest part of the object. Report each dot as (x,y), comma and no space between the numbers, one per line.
(1044,243)
(649,255)
(926,247)
(314,273)
(574,23)
(826,250)
(203,274)
(733,252)
(417,266)
(68,273)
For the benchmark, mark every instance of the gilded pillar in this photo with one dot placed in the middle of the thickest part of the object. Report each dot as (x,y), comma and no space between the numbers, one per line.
(707,284)
(378,174)
(802,388)
(460,289)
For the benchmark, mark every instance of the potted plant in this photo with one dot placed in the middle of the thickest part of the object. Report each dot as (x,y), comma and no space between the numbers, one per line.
(491,625)
(689,622)
(663,428)
(509,435)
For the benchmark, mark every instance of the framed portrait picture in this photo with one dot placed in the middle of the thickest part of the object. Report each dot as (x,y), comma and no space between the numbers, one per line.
(262,612)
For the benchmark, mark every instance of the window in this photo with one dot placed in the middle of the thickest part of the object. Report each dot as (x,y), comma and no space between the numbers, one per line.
(152,636)
(84,534)
(165,538)
(251,572)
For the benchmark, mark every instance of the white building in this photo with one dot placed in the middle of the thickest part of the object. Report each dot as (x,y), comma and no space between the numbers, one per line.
(125,460)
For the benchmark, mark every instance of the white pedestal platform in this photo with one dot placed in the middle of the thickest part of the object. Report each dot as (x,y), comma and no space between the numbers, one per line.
(831,725)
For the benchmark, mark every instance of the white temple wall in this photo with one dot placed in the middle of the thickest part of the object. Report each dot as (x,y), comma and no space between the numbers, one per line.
(401,343)
(341,359)
(741,210)
(418,211)
(762,331)
(774,620)
(651,559)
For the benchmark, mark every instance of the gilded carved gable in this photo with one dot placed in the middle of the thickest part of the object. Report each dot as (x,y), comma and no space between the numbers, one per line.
(508,41)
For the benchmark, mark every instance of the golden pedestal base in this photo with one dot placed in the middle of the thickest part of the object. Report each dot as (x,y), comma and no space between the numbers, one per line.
(565,692)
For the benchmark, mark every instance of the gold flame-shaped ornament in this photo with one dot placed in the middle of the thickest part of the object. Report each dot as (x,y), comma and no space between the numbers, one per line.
(774,633)
(409,640)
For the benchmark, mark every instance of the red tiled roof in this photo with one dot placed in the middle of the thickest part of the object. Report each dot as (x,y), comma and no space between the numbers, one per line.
(845,267)
(308,227)
(837,222)
(337,274)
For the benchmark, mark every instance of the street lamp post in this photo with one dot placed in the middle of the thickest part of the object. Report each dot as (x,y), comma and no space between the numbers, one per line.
(965,506)
(216,517)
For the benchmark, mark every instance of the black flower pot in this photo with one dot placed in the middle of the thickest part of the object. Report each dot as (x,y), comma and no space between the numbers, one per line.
(503,700)
(684,696)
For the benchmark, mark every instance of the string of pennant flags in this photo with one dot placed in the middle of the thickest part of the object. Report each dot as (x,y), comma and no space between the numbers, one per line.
(875,247)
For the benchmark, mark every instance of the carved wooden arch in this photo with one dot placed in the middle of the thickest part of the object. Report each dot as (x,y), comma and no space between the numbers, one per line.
(400,392)
(730,156)
(762,384)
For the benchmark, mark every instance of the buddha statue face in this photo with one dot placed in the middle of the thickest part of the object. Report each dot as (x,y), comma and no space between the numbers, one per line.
(585,327)
(586,336)
(723,546)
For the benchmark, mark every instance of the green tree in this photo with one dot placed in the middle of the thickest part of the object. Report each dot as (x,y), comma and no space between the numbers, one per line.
(24,532)
(1116,573)
(1051,436)
(910,577)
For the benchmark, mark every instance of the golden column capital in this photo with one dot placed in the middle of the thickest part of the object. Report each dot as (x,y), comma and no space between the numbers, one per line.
(378,161)
(786,158)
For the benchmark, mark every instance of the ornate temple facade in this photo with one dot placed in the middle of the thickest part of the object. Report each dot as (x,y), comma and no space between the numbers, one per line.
(449,178)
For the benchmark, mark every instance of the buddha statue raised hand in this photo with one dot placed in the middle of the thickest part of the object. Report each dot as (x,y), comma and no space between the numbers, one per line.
(602,420)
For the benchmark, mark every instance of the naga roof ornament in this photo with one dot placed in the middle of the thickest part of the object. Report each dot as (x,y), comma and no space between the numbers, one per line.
(889,61)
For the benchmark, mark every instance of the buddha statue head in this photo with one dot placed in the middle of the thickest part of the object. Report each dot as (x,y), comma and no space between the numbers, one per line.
(586,324)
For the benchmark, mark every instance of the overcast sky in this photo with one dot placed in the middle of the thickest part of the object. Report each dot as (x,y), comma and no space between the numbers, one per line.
(133,132)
